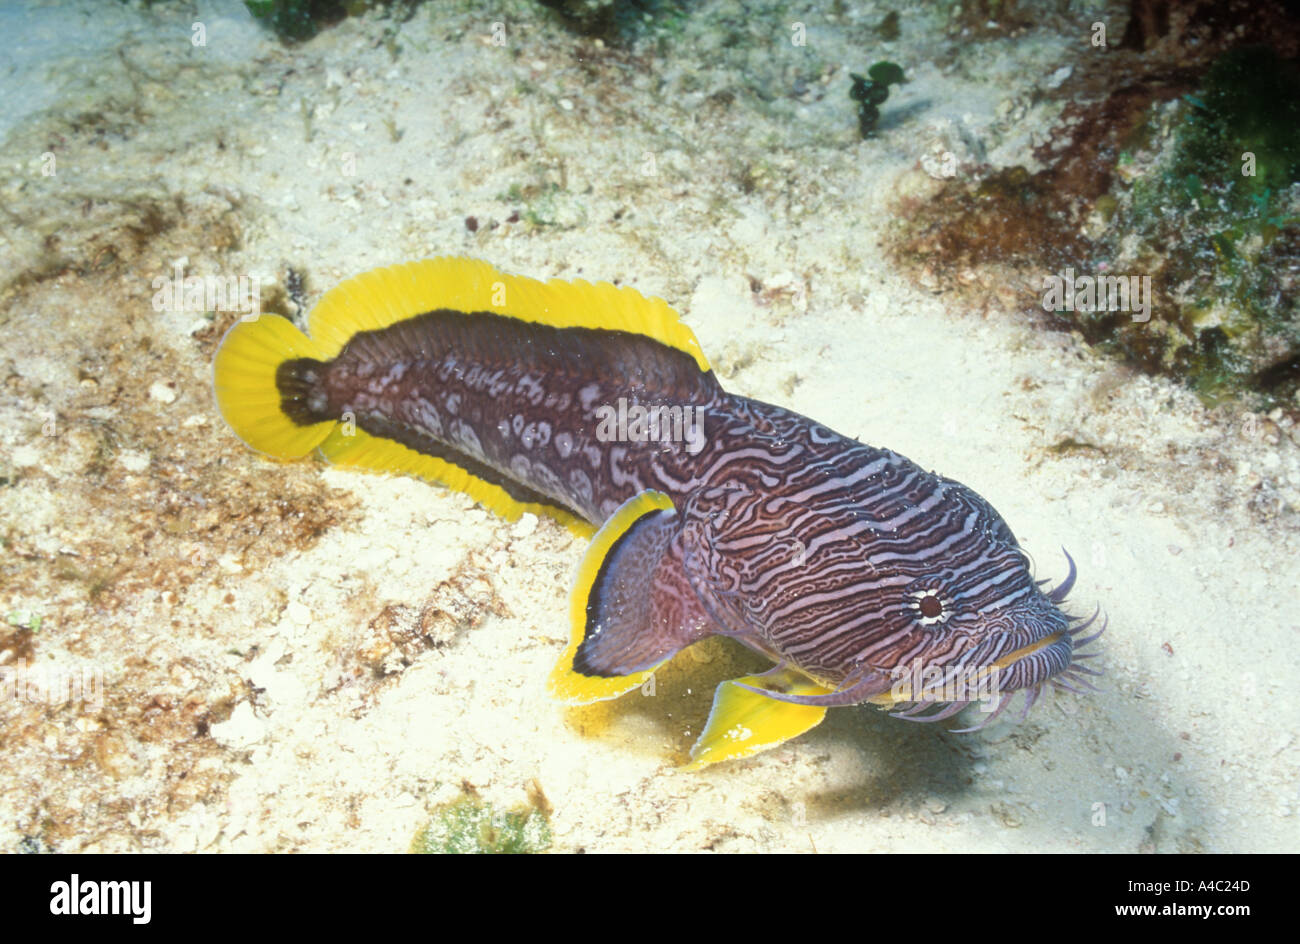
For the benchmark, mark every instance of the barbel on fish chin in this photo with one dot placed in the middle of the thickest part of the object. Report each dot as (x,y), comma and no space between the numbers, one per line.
(862,576)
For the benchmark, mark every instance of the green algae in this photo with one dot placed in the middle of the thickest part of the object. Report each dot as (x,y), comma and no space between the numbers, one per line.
(296,20)
(1194,183)
(25,620)
(470,826)
(871,91)
(1248,103)
(1215,214)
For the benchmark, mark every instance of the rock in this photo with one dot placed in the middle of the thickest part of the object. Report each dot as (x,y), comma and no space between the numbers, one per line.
(242,730)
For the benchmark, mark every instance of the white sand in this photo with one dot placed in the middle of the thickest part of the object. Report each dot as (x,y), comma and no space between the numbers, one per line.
(258,695)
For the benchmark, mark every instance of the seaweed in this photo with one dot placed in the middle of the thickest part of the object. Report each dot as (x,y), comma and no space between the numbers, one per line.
(471,826)
(620,21)
(297,20)
(1218,215)
(887,29)
(870,92)
(1249,102)
(1199,30)
(1188,176)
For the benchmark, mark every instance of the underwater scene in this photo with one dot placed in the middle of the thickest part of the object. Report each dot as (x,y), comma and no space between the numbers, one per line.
(557,426)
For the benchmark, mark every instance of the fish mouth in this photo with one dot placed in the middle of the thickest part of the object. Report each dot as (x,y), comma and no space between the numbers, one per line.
(1054,659)
(1025,651)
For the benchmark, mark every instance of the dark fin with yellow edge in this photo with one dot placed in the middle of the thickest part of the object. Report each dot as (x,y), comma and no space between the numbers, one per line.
(628,613)
(744,722)
(245,379)
(267,373)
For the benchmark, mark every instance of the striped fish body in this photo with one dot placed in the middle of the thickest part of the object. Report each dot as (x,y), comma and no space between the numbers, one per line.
(713,514)
(850,563)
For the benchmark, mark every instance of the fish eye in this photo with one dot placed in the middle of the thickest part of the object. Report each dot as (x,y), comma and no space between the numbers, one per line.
(930,606)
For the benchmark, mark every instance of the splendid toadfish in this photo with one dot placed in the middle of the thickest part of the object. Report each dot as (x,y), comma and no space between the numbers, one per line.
(863,577)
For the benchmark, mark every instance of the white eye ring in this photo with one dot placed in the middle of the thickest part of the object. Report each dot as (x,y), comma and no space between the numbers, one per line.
(934,593)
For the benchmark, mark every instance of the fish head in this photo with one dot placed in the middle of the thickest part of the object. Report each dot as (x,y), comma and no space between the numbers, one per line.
(977,620)
(924,602)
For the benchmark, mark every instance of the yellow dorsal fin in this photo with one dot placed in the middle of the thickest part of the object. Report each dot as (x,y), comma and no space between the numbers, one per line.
(382,297)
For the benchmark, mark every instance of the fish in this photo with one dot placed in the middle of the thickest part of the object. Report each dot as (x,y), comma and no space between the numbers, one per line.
(863,578)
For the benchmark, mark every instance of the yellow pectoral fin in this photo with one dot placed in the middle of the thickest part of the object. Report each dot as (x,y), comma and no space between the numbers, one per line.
(572,687)
(744,722)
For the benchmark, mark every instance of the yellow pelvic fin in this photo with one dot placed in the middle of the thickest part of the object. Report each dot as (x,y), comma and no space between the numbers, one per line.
(570,686)
(383,297)
(744,722)
(356,448)
(243,379)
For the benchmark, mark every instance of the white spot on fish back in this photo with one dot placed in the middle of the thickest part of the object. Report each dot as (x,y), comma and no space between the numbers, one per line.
(580,483)
(563,444)
(468,438)
(427,418)
(616,456)
(587,396)
(546,481)
(529,387)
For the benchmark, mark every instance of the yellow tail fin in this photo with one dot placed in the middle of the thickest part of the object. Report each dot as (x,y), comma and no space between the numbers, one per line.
(243,379)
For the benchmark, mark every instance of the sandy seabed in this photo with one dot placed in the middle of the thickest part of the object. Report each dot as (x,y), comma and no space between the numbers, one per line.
(294,657)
